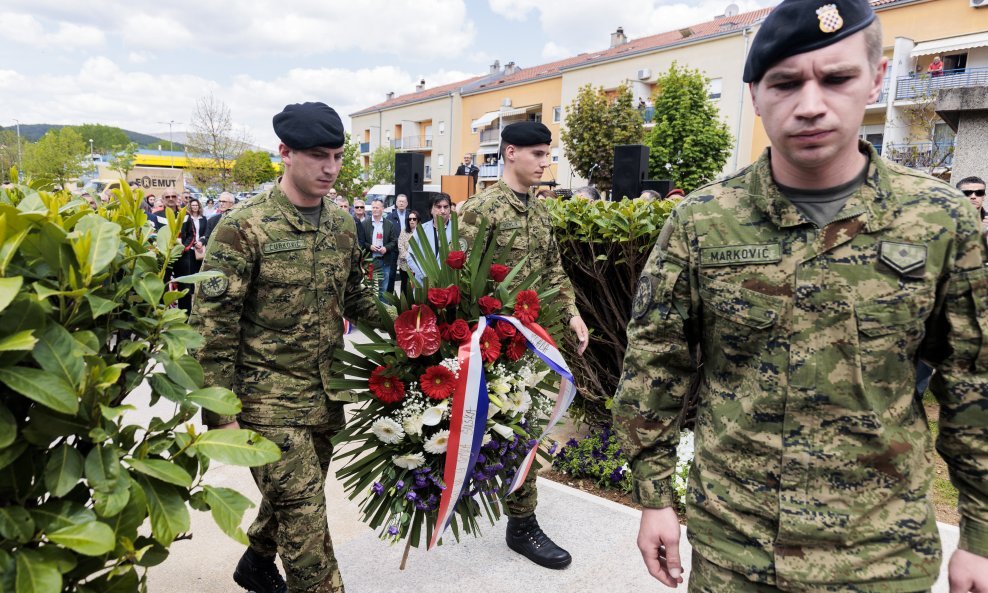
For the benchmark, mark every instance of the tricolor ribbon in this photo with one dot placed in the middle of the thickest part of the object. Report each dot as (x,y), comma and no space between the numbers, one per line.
(468,418)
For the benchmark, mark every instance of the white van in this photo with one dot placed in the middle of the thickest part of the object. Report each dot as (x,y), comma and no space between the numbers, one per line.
(386,191)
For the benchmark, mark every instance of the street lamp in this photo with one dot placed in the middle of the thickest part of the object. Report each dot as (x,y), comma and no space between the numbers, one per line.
(91,159)
(20,157)
(170,149)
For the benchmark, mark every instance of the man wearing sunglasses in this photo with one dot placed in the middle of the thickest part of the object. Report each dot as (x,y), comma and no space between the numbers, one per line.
(974,189)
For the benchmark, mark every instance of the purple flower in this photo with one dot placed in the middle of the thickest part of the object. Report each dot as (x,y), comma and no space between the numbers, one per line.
(377,488)
(411,496)
(400,485)
(393,530)
(572,443)
(420,482)
(617,474)
(553,448)
(481,458)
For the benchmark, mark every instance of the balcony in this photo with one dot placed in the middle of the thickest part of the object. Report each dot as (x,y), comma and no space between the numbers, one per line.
(883,96)
(364,147)
(924,86)
(490,135)
(491,171)
(412,143)
(925,156)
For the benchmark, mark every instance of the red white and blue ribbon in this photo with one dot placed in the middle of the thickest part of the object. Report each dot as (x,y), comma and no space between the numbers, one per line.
(468,418)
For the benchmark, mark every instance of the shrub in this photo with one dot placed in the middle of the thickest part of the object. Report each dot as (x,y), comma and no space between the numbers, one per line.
(84,321)
(604,246)
(598,457)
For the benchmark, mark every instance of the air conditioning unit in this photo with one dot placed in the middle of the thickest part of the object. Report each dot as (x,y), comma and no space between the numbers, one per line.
(646,73)
(506,102)
(979,3)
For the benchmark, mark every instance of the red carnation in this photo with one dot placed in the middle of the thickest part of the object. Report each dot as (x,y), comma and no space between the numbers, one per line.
(505,330)
(386,388)
(416,331)
(490,345)
(499,272)
(488,305)
(438,297)
(527,306)
(459,332)
(438,382)
(516,348)
(453,295)
(456,259)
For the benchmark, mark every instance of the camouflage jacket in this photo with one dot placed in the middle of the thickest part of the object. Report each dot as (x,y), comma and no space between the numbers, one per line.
(272,321)
(506,213)
(812,451)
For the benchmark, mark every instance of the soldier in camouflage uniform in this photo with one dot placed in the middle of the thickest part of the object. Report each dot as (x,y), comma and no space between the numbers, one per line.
(291,271)
(510,205)
(811,282)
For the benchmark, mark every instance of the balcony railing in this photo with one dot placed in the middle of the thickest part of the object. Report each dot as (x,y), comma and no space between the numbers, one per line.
(491,171)
(364,147)
(924,85)
(925,156)
(490,135)
(412,143)
(428,172)
(883,96)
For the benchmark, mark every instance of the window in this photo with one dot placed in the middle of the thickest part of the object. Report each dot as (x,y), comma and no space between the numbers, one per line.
(555,153)
(442,129)
(557,114)
(714,88)
(442,160)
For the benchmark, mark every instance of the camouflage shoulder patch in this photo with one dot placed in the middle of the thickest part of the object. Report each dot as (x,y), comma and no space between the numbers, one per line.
(214,287)
(470,217)
(644,296)
(902,257)
(463,244)
(225,234)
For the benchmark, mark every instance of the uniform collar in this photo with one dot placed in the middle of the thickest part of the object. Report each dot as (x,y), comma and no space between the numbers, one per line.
(875,199)
(294,217)
(512,197)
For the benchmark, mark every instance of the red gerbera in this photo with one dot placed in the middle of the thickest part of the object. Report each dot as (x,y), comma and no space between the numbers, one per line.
(386,388)
(505,329)
(516,348)
(488,305)
(438,382)
(490,345)
(453,295)
(527,306)
(499,272)
(438,298)
(416,331)
(456,259)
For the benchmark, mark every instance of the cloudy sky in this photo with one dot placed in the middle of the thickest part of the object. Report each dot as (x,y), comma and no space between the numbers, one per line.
(137,64)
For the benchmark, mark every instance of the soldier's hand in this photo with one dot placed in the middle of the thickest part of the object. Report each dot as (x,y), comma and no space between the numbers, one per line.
(233,425)
(967,573)
(581,331)
(658,541)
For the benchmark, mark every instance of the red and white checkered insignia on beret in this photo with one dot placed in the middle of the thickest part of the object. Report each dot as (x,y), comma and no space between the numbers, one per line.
(830,20)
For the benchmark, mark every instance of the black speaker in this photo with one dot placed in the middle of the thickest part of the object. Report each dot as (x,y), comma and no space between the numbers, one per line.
(630,169)
(409,173)
(660,185)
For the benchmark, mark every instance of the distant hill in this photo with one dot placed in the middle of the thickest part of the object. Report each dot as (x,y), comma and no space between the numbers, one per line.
(33,132)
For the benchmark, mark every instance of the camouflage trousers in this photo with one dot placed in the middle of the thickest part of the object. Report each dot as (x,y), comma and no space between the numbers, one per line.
(707,577)
(292,518)
(524,500)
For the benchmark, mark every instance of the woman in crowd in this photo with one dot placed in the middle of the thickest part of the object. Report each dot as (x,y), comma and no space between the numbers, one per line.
(195,233)
(411,223)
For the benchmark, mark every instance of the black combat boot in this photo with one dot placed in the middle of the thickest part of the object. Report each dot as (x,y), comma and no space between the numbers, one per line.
(526,537)
(259,574)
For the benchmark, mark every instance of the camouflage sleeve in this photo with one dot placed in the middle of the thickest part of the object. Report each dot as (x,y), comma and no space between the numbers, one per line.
(359,299)
(657,367)
(218,305)
(468,219)
(963,389)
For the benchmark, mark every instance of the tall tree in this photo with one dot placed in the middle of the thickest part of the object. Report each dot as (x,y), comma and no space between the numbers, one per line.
(8,154)
(349,183)
(382,165)
(252,168)
(122,159)
(105,138)
(60,155)
(594,125)
(212,143)
(689,143)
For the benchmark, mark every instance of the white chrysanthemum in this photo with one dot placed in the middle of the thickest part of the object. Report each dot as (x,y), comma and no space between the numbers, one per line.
(387,430)
(434,414)
(409,461)
(413,424)
(437,443)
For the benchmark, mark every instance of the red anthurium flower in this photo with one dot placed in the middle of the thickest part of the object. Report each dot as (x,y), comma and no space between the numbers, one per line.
(385,387)
(453,295)
(416,331)
(505,330)
(488,305)
(490,345)
(527,306)
(438,382)
(438,298)
(456,259)
(499,272)
(459,332)
(516,348)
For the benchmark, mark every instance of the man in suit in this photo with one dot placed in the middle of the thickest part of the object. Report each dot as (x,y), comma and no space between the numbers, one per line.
(223,205)
(398,218)
(468,168)
(441,211)
(380,238)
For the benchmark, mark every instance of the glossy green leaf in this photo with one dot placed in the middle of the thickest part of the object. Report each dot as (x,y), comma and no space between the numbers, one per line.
(59,354)
(216,399)
(8,427)
(21,341)
(16,524)
(9,287)
(163,470)
(35,574)
(150,288)
(227,507)
(42,387)
(104,241)
(109,503)
(63,469)
(169,515)
(93,538)
(102,468)
(63,559)
(237,447)
(184,370)
(100,306)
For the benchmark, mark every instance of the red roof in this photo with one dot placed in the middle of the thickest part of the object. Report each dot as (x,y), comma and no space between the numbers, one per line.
(415,97)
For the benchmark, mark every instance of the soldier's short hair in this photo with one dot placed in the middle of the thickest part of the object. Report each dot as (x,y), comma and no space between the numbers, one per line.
(873,43)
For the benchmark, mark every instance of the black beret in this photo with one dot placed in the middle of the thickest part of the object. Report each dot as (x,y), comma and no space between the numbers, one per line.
(798,26)
(307,125)
(526,133)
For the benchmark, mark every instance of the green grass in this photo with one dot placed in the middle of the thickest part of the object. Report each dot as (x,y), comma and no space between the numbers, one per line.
(941,490)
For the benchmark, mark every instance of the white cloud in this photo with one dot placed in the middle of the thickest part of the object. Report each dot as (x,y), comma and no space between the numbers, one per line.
(27,30)
(138,57)
(552,51)
(515,9)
